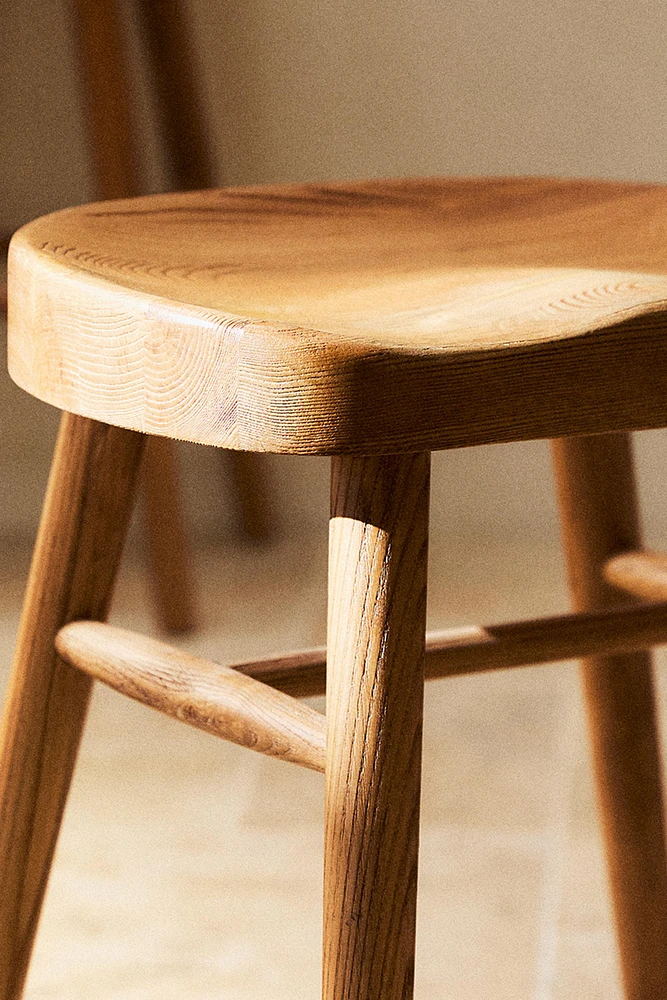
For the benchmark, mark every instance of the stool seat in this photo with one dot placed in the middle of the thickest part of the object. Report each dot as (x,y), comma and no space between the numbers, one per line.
(349,318)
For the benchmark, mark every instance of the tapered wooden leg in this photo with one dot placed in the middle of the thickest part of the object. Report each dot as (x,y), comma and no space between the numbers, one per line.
(169,562)
(375,682)
(599,516)
(84,521)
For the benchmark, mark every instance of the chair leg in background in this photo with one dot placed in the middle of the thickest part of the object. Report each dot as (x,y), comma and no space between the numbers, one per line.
(167,551)
(249,480)
(598,503)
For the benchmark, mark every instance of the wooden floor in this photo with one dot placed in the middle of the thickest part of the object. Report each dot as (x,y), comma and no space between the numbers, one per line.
(191,868)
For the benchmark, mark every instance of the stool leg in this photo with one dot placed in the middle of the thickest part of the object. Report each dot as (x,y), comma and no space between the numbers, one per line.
(375,688)
(168,554)
(595,482)
(83,526)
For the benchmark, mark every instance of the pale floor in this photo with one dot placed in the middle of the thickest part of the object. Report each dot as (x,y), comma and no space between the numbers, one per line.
(190,868)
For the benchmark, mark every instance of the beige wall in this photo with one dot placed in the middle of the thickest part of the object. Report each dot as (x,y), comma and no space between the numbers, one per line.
(302,89)
(298,89)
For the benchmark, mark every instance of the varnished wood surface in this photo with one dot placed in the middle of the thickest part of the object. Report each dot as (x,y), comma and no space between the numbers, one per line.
(600,520)
(377,316)
(476,649)
(113,135)
(451,652)
(491,823)
(375,684)
(643,574)
(186,143)
(208,696)
(87,509)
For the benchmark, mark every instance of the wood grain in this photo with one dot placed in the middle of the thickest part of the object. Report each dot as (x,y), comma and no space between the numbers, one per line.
(599,515)
(451,652)
(186,143)
(642,574)
(108,99)
(377,609)
(86,512)
(207,696)
(475,649)
(386,316)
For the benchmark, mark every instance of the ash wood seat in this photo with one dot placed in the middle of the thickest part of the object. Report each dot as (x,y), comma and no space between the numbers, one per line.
(351,318)
(373,322)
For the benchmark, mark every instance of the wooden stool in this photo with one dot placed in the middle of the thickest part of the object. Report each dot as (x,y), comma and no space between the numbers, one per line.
(373,322)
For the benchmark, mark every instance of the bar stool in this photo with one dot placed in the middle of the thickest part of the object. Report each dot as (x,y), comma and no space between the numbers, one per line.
(371,322)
